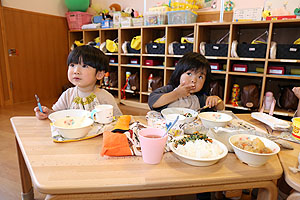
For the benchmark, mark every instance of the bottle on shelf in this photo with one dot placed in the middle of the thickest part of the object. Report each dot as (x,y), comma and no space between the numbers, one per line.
(128,74)
(106,79)
(150,79)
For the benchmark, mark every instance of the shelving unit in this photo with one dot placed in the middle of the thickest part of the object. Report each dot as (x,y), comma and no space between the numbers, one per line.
(279,31)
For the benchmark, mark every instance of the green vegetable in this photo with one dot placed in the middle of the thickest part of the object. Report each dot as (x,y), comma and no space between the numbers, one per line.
(193,137)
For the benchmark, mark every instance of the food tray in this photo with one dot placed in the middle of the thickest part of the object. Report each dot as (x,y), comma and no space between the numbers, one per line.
(273,122)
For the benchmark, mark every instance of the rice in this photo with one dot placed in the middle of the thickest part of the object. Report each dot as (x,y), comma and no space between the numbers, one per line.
(199,149)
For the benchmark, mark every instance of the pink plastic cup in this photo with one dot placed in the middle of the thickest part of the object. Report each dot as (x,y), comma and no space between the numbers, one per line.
(152,144)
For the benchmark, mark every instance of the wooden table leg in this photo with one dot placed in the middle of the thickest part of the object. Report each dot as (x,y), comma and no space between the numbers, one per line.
(269,191)
(27,189)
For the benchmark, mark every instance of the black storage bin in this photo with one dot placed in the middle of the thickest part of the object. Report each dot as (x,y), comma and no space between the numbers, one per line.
(155,48)
(216,50)
(252,50)
(290,51)
(181,49)
(131,50)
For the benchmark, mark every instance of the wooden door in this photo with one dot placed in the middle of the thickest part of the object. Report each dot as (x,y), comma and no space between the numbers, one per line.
(38,46)
(5,95)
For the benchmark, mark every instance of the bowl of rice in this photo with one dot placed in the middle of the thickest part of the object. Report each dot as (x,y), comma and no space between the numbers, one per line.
(198,150)
(214,119)
(253,150)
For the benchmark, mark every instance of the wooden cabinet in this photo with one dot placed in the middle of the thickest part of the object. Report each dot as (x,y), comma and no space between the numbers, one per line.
(281,32)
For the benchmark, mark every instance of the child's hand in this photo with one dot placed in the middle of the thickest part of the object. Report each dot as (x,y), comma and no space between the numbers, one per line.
(184,89)
(296,91)
(212,101)
(39,114)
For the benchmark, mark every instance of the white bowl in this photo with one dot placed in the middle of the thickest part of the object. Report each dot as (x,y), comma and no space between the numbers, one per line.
(199,161)
(77,127)
(72,113)
(251,158)
(214,119)
(180,111)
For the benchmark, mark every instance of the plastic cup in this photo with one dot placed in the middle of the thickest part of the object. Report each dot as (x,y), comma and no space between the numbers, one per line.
(152,144)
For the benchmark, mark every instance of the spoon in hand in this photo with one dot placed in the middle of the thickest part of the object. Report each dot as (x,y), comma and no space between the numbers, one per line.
(204,107)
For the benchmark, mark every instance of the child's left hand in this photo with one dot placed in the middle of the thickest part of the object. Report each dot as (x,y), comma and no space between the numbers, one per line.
(212,101)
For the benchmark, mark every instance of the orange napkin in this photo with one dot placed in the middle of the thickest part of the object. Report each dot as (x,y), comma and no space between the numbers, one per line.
(115,144)
(122,124)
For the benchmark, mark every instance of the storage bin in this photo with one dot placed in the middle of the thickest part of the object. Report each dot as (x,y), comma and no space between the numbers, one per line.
(108,23)
(77,19)
(252,50)
(126,22)
(216,50)
(154,18)
(131,50)
(138,21)
(155,48)
(151,62)
(181,17)
(288,51)
(181,49)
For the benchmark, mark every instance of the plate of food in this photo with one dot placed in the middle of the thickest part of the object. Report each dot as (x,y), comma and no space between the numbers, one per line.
(188,114)
(197,149)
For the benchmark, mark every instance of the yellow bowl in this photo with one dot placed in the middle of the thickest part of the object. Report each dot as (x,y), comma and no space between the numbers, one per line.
(296,128)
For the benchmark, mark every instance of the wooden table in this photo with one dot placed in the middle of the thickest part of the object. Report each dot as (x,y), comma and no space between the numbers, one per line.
(288,158)
(77,171)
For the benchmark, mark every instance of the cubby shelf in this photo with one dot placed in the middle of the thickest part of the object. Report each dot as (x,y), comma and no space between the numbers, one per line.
(244,32)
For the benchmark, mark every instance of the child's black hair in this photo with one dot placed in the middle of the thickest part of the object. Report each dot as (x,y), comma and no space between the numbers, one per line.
(89,55)
(194,62)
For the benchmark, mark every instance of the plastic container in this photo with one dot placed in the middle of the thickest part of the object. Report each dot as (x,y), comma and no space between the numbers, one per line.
(138,21)
(77,19)
(155,18)
(126,22)
(181,17)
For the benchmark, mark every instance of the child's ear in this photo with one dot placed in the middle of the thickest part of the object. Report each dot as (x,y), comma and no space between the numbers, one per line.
(100,75)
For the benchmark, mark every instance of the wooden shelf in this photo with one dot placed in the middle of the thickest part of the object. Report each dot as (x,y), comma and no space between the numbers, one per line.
(297,77)
(154,55)
(111,88)
(111,54)
(131,65)
(246,74)
(130,54)
(145,93)
(249,59)
(284,60)
(113,64)
(243,32)
(174,56)
(153,67)
(236,107)
(170,68)
(216,58)
(218,71)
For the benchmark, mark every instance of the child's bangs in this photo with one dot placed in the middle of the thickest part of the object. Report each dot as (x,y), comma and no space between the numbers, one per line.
(78,57)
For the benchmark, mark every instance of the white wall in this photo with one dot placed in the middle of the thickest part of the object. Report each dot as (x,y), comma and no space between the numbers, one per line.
(57,7)
(52,7)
